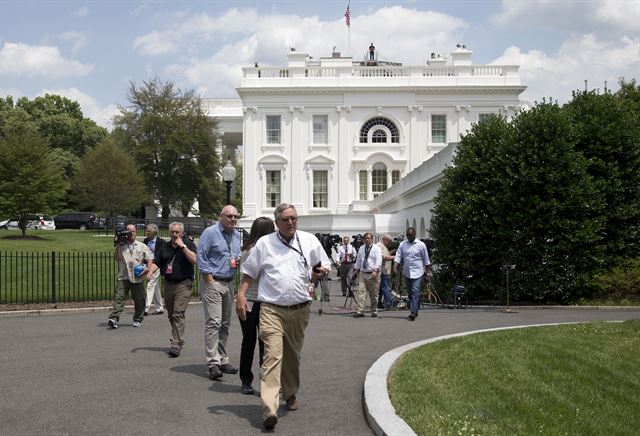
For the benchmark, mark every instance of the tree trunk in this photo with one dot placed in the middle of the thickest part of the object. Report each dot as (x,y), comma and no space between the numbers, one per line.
(166,209)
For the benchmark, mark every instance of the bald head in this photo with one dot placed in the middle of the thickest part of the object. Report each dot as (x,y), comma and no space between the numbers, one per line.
(229,217)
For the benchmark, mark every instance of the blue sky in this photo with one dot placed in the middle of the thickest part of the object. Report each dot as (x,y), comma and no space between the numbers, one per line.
(90,50)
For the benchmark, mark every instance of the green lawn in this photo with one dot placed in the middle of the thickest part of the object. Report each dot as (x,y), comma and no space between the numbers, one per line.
(571,379)
(55,240)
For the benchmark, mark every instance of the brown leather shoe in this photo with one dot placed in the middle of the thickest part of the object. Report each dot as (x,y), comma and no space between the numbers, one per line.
(292,404)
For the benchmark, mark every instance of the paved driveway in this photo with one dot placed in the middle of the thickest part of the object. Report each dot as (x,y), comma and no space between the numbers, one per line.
(68,374)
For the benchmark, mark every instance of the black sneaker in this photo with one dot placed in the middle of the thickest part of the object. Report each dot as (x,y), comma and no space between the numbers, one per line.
(374,315)
(174,352)
(358,315)
(270,422)
(228,369)
(112,323)
(247,389)
(215,373)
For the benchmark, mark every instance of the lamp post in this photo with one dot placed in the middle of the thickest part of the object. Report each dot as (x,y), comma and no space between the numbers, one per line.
(228,175)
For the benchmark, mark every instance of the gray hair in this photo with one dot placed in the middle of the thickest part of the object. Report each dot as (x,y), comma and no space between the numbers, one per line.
(176,223)
(281,208)
(154,228)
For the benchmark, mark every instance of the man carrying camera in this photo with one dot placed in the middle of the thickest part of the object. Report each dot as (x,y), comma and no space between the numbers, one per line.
(369,261)
(346,257)
(134,259)
(175,262)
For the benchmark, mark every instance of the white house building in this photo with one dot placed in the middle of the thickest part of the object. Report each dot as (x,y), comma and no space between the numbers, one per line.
(350,143)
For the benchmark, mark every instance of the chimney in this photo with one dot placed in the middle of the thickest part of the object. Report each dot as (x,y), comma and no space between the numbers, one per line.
(461,56)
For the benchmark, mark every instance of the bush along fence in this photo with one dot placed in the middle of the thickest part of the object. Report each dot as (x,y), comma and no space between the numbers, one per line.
(57,277)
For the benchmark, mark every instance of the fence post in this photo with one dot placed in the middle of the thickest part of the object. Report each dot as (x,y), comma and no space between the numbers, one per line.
(53,276)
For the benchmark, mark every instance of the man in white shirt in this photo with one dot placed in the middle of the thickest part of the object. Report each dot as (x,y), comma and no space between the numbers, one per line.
(285,263)
(346,257)
(413,255)
(369,261)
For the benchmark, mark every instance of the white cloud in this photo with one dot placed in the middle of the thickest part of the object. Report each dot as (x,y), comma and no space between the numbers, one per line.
(82,12)
(102,115)
(399,32)
(580,58)
(18,59)
(611,16)
(78,40)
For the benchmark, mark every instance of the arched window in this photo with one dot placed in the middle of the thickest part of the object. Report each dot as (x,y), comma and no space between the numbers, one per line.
(379,127)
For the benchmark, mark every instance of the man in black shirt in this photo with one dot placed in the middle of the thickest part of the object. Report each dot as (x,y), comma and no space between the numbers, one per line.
(175,261)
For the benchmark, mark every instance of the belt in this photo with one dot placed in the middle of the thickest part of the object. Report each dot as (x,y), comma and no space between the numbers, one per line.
(220,279)
(174,281)
(293,306)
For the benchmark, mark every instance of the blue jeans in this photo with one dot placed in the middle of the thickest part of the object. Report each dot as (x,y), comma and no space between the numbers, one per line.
(385,289)
(414,288)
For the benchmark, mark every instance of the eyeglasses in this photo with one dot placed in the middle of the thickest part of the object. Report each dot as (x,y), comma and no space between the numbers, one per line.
(292,219)
(232,217)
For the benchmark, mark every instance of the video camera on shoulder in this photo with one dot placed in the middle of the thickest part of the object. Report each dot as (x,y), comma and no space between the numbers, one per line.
(121,236)
(358,241)
(328,241)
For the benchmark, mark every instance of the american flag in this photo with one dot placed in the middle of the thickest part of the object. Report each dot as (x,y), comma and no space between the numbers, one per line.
(347,15)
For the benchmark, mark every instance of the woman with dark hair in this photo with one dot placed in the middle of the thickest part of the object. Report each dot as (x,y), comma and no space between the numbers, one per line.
(260,227)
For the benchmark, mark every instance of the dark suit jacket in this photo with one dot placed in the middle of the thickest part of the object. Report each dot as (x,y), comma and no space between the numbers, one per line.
(159,243)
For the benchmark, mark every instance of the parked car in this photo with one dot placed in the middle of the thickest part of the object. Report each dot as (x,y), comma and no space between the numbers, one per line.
(37,222)
(75,220)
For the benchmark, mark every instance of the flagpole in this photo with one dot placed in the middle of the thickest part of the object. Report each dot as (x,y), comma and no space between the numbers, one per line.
(347,16)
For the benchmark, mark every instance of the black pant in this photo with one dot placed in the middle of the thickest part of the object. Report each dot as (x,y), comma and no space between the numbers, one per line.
(344,271)
(249,337)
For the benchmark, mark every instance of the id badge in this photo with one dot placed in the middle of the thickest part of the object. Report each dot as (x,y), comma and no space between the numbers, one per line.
(169,269)
(232,263)
(312,290)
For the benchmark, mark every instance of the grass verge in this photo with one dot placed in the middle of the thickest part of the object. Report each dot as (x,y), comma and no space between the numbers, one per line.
(569,379)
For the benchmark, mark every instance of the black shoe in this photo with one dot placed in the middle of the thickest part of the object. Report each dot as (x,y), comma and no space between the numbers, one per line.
(228,369)
(145,313)
(174,352)
(358,315)
(411,317)
(215,373)
(270,422)
(374,315)
(247,389)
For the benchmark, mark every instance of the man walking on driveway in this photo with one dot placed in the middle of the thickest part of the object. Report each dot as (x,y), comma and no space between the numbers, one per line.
(175,262)
(154,242)
(285,263)
(218,257)
(134,259)
(413,255)
(368,262)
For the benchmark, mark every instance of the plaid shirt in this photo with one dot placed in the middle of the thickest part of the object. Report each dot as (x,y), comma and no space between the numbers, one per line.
(132,255)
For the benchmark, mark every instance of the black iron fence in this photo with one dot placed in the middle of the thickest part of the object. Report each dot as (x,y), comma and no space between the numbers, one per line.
(56,277)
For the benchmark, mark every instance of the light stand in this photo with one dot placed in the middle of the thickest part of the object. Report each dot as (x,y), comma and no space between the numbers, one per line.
(228,175)
(508,268)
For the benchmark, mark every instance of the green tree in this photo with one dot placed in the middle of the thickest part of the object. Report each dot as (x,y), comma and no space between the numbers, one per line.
(519,194)
(61,121)
(607,128)
(173,141)
(108,179)
(31,181)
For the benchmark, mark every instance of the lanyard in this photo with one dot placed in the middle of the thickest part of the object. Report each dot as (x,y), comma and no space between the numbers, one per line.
(299,251)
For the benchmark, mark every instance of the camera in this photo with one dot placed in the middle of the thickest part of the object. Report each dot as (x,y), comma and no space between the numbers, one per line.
(358,241)
(121,236)
(328,242)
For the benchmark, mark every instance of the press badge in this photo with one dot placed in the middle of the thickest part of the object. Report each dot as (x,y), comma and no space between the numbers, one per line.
(232,263)
(312,290)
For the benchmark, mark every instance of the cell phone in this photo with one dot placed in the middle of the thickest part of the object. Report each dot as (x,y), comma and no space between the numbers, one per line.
(316,268)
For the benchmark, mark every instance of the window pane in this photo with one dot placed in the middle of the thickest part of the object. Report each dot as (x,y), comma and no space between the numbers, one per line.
(363,185)
(379,136)
(273,129)
(378,181)
(439,128)
(320,188)
(395,176)
(320,129)
(273,188)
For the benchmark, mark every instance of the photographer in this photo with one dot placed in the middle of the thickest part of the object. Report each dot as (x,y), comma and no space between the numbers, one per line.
(134,259)
(346,258)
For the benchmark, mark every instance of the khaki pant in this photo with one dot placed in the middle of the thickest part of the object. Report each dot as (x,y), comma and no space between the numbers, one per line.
(282,331)
(137,294)
(370,286)
(217,302)
(176,299)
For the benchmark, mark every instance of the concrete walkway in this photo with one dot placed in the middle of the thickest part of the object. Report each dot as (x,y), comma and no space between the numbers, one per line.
(68,374)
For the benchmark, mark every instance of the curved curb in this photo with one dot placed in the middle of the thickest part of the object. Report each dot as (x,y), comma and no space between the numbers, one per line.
(378,408)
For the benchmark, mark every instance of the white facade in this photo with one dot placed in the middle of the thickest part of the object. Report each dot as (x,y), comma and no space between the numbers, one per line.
(330,135)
